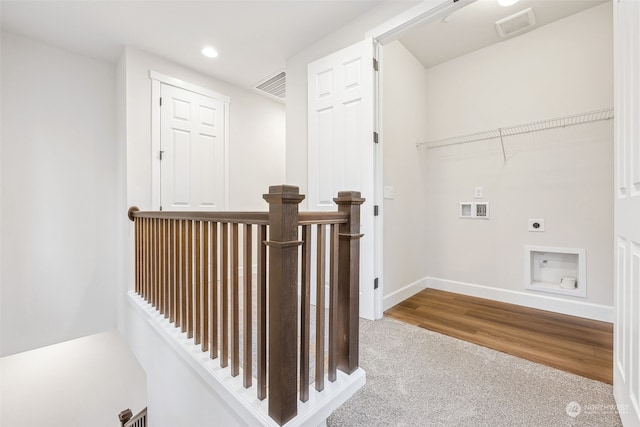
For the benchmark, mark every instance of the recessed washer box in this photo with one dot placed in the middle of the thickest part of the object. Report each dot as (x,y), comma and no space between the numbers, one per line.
(555,270)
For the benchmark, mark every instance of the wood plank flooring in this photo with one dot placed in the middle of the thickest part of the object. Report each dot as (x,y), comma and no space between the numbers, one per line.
(573,344)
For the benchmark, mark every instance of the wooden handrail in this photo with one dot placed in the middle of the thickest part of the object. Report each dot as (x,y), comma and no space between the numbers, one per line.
(305,218)
(196,268)
(311,218)
(226,217)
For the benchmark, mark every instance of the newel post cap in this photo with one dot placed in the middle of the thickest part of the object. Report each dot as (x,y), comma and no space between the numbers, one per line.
(349,198)
(283,194)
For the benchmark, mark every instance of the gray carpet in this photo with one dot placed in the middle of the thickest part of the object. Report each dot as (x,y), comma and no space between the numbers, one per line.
(417,377)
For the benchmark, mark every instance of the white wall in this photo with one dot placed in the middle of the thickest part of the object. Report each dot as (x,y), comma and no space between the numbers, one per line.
(297,84)
(564,176)
(257,133)
(565,67)
(404,111)
(59,385)
(58,195)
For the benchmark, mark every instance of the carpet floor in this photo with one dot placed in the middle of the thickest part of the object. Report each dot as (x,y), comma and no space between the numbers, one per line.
(416,377)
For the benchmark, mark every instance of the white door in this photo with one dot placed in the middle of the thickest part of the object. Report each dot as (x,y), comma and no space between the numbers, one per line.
(341,148)
(626,380)
(192,145)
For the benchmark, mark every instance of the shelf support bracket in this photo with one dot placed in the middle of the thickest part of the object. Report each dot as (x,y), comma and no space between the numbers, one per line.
(504,156)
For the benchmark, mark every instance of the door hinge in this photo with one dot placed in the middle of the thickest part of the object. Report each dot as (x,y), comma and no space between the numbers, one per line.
(375,64)
(375,137)
(161,208)
(161,101)
(375,283)
(161,153)
(375,210)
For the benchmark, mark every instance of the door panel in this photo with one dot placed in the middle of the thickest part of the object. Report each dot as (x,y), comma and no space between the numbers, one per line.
(192,169)
(626,381)
(178,161)
(341,149)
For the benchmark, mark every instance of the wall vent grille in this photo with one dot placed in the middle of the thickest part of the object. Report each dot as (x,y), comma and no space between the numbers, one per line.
(274,85)
(516,23)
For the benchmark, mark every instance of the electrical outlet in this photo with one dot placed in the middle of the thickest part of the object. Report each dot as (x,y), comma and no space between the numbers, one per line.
(536,224)
(479,192)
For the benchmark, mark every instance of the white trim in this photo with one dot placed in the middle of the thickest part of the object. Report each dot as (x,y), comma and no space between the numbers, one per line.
(419,14)
(243,401)
(403,293)
(378,181)
(156,183)
(172,81)
(157,79)
(389,31)
(587,310)
(227,170)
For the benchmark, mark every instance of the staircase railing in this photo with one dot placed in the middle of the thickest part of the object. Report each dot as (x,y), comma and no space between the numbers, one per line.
(127,419)
(196,268)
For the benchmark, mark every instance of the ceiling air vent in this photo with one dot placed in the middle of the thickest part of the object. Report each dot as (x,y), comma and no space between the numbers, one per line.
(516,23)
(274,86)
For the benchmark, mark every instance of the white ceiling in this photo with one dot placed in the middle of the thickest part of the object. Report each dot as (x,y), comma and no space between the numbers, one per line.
(472,27)
(253,38)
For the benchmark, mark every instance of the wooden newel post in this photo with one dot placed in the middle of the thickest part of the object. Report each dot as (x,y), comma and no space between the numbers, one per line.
(283,301)
(349,281)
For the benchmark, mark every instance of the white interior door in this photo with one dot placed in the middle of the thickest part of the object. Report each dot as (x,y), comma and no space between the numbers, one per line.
(341,149)
(192,150)
(626,380)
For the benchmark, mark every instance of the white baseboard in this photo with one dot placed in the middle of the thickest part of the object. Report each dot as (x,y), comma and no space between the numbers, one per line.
(587,310)
(403,293)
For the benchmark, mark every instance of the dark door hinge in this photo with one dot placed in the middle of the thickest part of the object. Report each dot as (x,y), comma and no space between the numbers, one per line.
(375,64)
(161,153)
(375,283)
(375,137)
(375,210)
(161,101)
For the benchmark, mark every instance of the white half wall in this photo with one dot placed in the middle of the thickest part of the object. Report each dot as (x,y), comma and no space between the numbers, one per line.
(188,388)
(58,195)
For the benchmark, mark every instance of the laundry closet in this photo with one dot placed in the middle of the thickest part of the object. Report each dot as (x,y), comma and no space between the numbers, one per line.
(498,156)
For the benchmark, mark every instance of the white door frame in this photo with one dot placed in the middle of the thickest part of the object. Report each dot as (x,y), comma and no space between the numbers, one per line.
(157,79)
(626,340)
(340,127)
(381,35)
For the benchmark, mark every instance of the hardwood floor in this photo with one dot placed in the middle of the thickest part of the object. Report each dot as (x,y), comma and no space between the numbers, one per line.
(581,346)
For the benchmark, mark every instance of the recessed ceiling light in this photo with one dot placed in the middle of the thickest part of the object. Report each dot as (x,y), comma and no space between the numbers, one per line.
(506,3)
(209,52)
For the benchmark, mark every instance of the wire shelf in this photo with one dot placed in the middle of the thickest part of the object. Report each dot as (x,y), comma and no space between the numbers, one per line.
(572,120)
